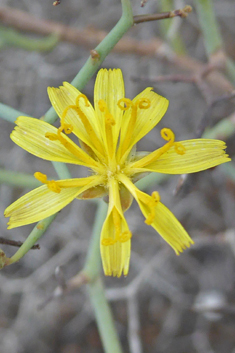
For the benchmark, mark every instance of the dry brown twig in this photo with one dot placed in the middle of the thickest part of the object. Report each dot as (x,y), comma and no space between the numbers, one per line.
(16,243)
(143,3)
(163,15)
(89,38)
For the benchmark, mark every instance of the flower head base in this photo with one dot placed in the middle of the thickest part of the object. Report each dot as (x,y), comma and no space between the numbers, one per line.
(107,135)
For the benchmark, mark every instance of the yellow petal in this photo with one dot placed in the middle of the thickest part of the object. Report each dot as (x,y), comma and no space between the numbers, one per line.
(163,220)
(200,154)
(30,135)
(42,202)
(167,225)
(115,243)
(109,86)
(65,96)
(146,118)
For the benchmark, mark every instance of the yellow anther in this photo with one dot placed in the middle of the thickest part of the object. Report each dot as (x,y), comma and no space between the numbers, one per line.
(41,177)
(116,222)
(149,220)
(51,184)
(108,241)
(51,136)
(102,105)
(179,148)
(156,197)
(167,134)
(143,103)
(84,119)
(127,103)
(109,119)
(68,128)
(85,99)
(124,237)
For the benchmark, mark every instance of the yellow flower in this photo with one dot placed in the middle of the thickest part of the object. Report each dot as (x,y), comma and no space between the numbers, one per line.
(107,136)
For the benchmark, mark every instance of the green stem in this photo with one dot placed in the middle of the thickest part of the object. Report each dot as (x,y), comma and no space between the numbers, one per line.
(93,262)
(151,179)
(9,36)
(103,49)
(33,237)
(222,130)
(209,26)
(95,287)
(18,179)
(9,114)
(175,40)
(229,170)
(104,317)
(62,170)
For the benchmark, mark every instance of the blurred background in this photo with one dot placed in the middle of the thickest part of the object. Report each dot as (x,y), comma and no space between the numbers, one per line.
(168,303)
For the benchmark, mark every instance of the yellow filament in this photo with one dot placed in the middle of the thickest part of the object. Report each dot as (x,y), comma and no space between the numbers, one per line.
(75,150)
(108,241)
(167,135)
(116,222)
(109,123)
(125,236)
(127,103)
(86,123)
(142,103)
(121,237)
(179,148)
(109,119)
(155,198)
(51,184)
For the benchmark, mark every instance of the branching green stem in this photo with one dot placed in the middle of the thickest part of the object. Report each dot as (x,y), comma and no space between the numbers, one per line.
(103,49)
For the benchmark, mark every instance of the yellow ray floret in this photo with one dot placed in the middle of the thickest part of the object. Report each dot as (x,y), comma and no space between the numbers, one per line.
(115,240)
(159,217)
(46,200)
(42,140)
(198,155)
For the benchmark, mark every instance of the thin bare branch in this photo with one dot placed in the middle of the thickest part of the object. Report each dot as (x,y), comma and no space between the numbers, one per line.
(16,243)
(163,15)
